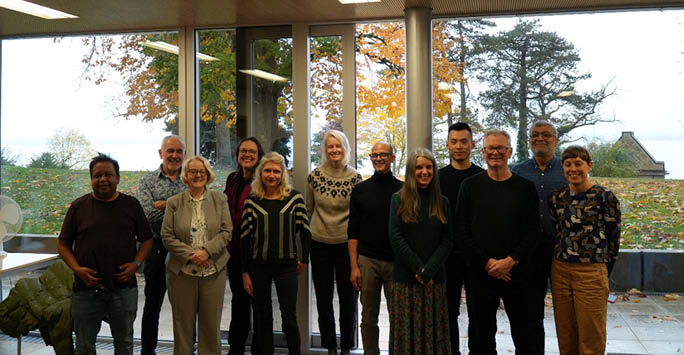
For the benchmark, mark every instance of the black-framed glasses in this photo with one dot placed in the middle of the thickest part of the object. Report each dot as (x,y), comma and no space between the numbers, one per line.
(383,155)
(498,149)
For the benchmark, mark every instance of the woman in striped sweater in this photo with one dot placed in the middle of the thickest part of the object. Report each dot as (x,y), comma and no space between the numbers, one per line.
(273,217)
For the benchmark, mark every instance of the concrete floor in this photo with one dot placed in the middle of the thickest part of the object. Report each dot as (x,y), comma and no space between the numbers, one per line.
(648,325)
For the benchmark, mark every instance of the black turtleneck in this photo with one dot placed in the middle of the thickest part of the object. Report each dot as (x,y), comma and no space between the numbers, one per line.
(369,214)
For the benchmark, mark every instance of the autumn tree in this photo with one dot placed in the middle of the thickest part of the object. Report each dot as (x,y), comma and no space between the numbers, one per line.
(533,74)
(70,148)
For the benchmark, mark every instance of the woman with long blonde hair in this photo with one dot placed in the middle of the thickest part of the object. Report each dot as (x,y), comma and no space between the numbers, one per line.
(420,235)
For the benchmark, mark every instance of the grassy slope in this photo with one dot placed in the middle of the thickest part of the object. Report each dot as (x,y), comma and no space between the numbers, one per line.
(45,194)
(653,210)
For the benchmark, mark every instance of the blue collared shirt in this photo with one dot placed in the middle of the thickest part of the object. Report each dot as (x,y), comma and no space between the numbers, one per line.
(155,185)
(546,181)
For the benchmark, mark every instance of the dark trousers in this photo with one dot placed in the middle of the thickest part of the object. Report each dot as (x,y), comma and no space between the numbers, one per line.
(241,307)
(155,288)
(285,278)
(484,294)
(330,262)
(536,293)
(456,273)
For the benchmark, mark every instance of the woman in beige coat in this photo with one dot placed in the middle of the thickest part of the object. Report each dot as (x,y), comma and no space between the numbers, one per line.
(196,230)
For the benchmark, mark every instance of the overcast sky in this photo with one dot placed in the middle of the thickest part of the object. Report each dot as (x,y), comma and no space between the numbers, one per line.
(642,52)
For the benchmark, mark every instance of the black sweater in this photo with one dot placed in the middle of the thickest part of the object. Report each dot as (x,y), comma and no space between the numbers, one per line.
(450,180)
(496,219)
(369,213)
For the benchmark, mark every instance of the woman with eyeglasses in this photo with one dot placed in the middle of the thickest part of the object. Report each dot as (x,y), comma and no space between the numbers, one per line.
(327,201)
(586,218)
(274,246)
(238,187)
(420,235)
(196,231)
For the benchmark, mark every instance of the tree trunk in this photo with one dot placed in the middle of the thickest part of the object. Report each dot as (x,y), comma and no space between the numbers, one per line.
(521,145)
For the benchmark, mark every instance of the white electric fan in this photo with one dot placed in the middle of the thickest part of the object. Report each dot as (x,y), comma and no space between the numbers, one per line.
(10,221)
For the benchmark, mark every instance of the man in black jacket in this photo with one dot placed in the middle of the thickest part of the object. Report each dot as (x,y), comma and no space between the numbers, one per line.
(498,226)
(369,249)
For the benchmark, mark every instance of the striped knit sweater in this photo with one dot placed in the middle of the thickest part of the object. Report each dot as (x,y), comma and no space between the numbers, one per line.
(269,230)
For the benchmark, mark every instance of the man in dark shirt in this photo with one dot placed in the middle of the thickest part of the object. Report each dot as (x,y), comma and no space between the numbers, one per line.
(498,225)
(545,170)
(154,189)
(369,250)
(98,242)
(459,143)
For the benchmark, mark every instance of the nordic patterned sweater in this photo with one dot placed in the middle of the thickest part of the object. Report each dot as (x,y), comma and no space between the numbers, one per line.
(327,202)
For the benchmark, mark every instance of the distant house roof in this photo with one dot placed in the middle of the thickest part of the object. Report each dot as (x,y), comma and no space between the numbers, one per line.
(648,166)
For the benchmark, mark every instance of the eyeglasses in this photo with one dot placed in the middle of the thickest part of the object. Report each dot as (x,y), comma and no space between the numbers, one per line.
(498,149)
(248,151)
(545,135)
(197,172)
(383,155)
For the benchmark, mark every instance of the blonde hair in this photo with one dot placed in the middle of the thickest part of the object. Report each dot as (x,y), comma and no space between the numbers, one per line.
(210,172)
(343,141)
(258,186)
(409,200)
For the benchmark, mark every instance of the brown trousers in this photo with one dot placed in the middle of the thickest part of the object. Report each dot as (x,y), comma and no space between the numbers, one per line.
(580,293)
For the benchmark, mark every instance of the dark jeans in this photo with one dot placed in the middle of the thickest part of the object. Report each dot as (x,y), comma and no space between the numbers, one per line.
(241,306)
(484,294)
(456,273)
(330,262)
(536,292)
(154,270)
(90,307)
(285,278)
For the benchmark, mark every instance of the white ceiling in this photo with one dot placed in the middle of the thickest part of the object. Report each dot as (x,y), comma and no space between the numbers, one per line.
(136,15)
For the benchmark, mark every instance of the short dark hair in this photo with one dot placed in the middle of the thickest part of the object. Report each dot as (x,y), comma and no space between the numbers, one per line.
(260,150)
(460,126)
(576,151)
(103,158)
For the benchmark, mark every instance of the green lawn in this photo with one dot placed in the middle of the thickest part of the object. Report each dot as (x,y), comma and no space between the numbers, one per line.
(45,194)
(653,210)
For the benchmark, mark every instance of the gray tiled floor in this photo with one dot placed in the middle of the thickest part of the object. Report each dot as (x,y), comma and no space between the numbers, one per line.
(647,325)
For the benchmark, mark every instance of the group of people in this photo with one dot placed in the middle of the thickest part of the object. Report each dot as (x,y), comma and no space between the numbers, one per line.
(499,233)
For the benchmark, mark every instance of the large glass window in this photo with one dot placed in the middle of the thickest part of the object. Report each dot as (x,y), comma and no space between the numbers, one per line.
(64,100)
(599,79)
(381,91)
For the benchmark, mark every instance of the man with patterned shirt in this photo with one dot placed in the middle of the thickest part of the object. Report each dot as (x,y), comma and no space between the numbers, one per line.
(545,170)
(154,189)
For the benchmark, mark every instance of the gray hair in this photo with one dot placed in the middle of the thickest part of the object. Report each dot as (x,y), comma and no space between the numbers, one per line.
(391,147)
(174,136)
(497,132)
(542,123)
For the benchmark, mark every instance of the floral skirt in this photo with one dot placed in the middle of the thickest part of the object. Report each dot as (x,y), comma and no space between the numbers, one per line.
(419,320)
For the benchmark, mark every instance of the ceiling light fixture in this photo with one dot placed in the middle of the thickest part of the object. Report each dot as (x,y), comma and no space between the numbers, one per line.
(263,75)
(170,48)
(347,2)
(35,9)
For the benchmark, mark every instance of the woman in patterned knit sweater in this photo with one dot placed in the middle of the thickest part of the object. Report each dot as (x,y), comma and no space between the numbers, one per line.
(586,218)
(327,201)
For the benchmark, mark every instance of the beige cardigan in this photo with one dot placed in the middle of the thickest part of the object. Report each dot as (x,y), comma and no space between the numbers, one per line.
(175,230)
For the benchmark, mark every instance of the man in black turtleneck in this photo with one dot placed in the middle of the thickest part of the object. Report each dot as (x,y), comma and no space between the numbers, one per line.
(369,248)
(460,144)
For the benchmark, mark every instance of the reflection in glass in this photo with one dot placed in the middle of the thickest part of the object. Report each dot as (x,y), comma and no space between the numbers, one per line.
(272,99)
